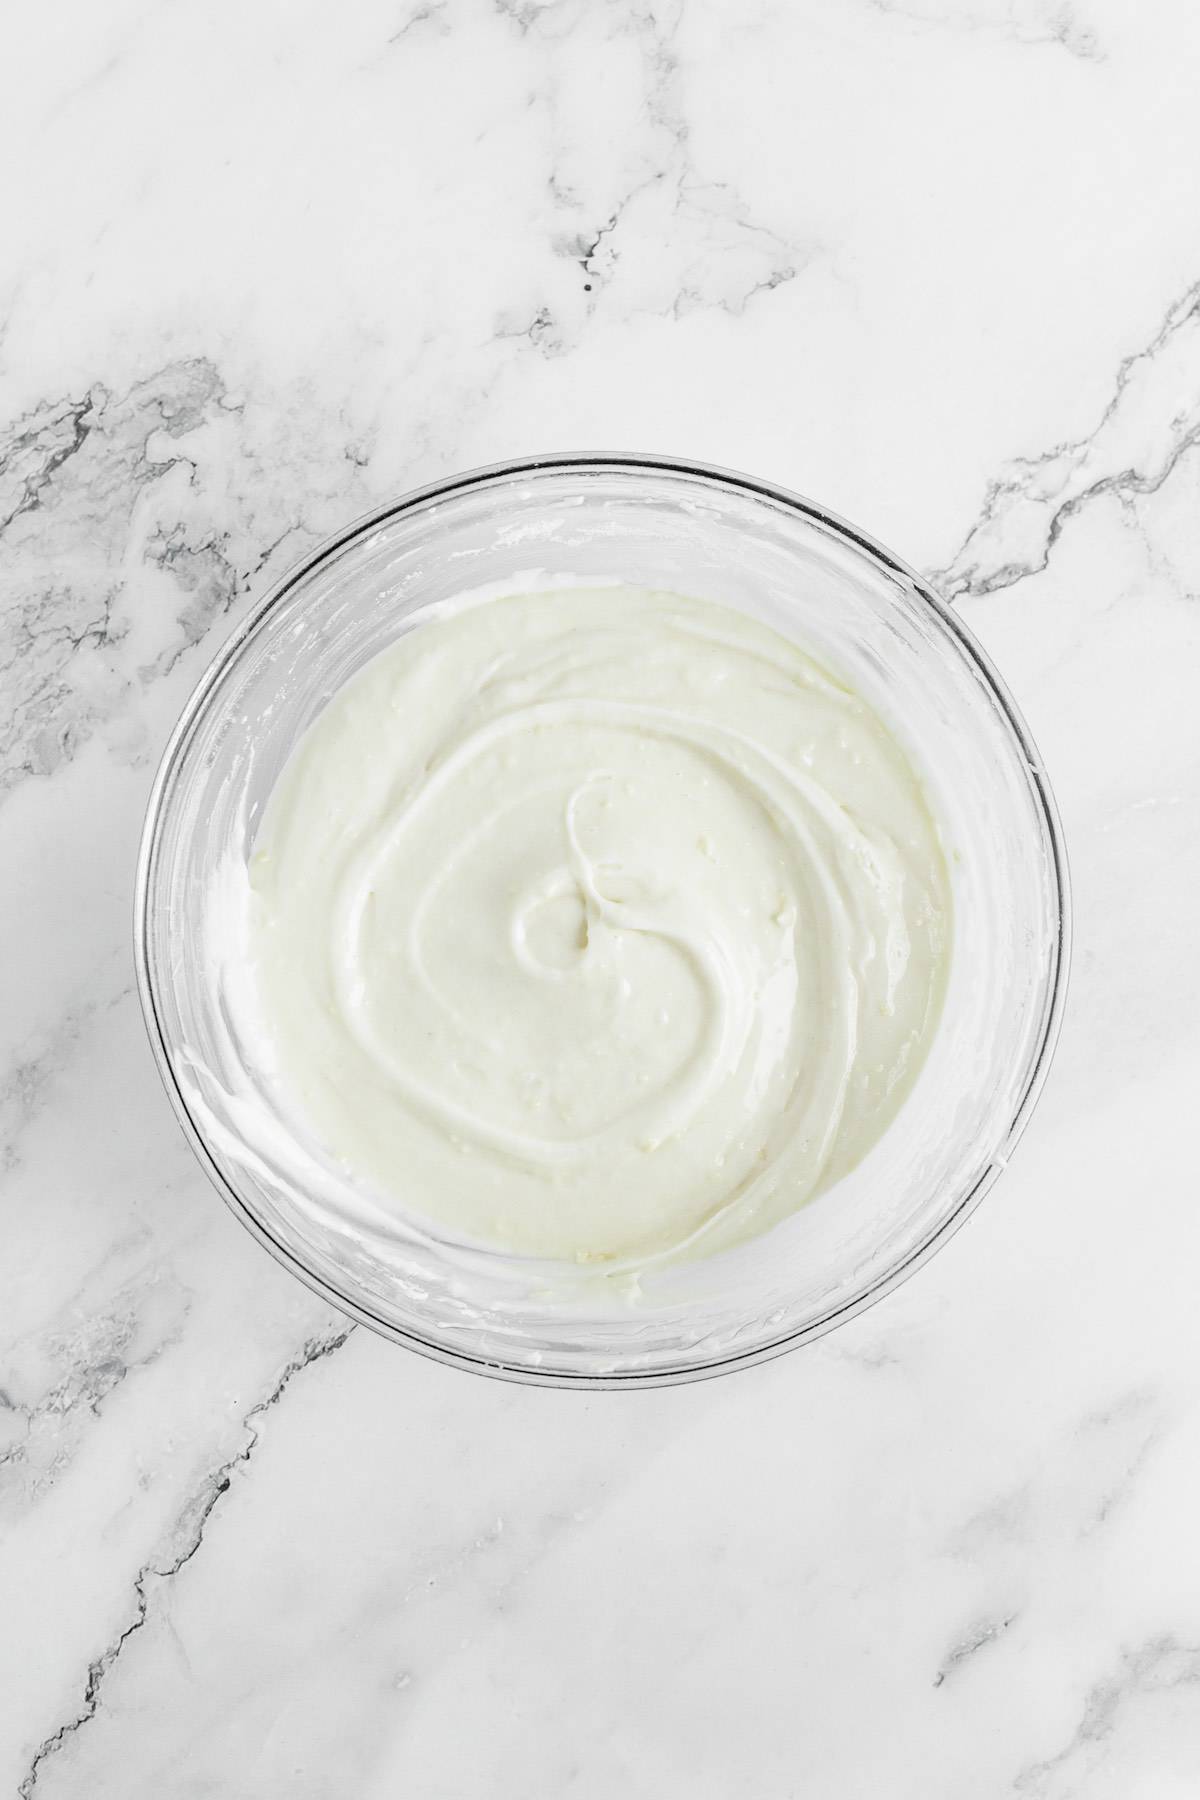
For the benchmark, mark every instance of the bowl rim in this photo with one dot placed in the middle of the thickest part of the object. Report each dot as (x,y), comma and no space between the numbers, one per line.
(711,475)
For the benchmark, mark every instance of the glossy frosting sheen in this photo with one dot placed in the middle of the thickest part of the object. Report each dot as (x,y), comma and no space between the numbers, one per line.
(598,924)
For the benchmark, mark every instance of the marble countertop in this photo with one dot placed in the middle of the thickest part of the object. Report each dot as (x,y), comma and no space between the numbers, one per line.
(933,262)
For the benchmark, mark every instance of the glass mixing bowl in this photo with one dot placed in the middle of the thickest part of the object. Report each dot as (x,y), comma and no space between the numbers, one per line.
(712,535)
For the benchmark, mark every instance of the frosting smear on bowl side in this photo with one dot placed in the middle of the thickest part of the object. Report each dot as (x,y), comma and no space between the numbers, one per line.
(598,924)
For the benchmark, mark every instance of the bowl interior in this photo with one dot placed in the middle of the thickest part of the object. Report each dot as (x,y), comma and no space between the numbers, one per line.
(703,534)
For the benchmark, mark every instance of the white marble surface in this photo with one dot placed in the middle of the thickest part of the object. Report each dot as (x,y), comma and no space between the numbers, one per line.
(935,262)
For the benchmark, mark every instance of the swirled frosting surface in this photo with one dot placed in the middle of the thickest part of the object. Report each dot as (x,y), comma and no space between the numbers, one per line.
(598,924)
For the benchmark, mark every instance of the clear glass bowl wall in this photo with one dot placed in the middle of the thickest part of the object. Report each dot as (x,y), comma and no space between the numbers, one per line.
(697,532)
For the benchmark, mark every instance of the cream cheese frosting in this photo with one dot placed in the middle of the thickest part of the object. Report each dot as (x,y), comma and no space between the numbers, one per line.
(598,924)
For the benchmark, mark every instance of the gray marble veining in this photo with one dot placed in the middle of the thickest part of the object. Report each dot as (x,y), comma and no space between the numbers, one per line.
(935,265)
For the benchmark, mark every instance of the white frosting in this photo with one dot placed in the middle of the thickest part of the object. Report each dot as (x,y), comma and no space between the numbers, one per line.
(597,924)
